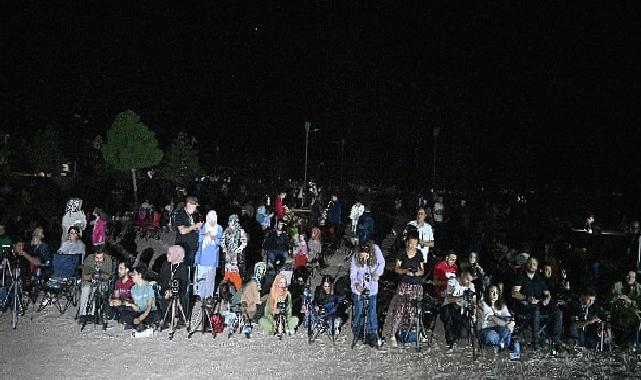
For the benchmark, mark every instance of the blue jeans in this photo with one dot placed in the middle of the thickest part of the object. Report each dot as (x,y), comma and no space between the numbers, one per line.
(493,336)
(372,324)
(272,253)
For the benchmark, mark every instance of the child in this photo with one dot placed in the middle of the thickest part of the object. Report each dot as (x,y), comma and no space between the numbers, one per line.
(314,247)
(300,252)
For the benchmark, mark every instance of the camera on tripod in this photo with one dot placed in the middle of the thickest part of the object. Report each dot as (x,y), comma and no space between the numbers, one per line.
(281,306)
(175,287)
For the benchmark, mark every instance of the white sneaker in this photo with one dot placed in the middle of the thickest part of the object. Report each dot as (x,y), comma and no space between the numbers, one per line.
(392,342)
(143,334)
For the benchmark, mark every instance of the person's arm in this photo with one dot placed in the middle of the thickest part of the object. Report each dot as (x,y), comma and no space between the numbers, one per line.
(353,275)
(184,230)
(380,263)
(420,270)
(516,293)
(398,269)
(145,314)
(33,260)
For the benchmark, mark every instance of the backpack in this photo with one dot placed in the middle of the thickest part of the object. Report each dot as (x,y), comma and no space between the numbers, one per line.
(406,335)
(217,323)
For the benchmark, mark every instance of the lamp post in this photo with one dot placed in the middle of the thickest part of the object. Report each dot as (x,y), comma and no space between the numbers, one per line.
(307,130)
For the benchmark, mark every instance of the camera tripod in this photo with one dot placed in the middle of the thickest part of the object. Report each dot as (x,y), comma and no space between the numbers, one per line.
(364,318)
(175,305)
(96,304)
(207,310)
(14,293)
(470,323)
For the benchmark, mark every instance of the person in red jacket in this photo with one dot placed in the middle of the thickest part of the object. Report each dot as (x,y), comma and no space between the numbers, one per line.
(444,270)
(279,207)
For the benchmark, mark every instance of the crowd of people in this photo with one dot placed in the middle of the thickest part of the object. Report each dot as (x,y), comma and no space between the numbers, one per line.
(210,268)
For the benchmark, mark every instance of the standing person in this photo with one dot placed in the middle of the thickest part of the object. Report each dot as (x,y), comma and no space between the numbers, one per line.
(277,244)
(409,265)
(425,234)
(314,246)
(300,252)
(99,234)
(74,216)
(279,206)
(334,218)
(234,244)
(365,226)
(355,213)
(367,266)
(187,229)
(210,237)
(174,269)
(442,271)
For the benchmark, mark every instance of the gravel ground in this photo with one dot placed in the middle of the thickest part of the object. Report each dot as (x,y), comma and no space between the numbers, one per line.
(51,346)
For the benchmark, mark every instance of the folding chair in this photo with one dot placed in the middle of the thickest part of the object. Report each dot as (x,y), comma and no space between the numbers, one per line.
(154,226)
(62,285)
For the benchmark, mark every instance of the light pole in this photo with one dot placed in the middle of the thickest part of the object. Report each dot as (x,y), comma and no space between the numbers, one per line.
(307,126)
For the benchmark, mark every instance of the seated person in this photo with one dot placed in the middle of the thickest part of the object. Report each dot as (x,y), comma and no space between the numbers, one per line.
(278,293)
(96,272)
(532,299)
(176,269)
(459,294)
(73,245)
(141,308)
(228,302)
(626,315)
(122,288)
(495,320)
(250,298)
(585,318)
(326,298)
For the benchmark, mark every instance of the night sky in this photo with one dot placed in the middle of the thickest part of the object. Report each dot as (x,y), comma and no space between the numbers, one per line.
(551,90)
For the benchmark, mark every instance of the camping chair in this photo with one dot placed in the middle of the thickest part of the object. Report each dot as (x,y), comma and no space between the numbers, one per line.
(154,226)
(62,286)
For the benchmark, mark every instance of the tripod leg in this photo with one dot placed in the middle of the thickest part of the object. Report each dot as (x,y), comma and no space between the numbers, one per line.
(182,313)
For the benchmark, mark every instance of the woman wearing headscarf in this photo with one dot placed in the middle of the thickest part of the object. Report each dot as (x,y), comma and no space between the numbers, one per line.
(278,293)
(174,269)
(74,216)
(234,243)
(210,237)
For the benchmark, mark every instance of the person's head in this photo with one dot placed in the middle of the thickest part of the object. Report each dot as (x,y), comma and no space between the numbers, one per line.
(420,215)
(450,258)
(73,233)
(412,239)
(471,258)
(493,295)
(191,204)
(99,254)
(301,238)
(327,284)
(547,271)
(234,221)
(123,270)
(18,246)
(139,273)
(334,197)
(466,278)
(175,254)
(224,291)
(282,281)
(280,226)
(38,234)
(588,296)
(212,218)
(365,254)
(532,264)
(283,194)
(631,277)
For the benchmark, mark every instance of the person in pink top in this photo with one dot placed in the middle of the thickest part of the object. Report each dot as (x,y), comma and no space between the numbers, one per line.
(99,236)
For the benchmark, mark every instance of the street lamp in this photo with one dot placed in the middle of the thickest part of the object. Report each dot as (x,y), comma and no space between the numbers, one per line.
(307,130)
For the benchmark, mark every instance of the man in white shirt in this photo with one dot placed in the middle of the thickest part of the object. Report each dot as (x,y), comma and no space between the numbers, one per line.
(458,295)
(425,234)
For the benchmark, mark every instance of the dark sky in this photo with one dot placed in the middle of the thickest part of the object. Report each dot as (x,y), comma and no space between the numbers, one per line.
(553,88)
